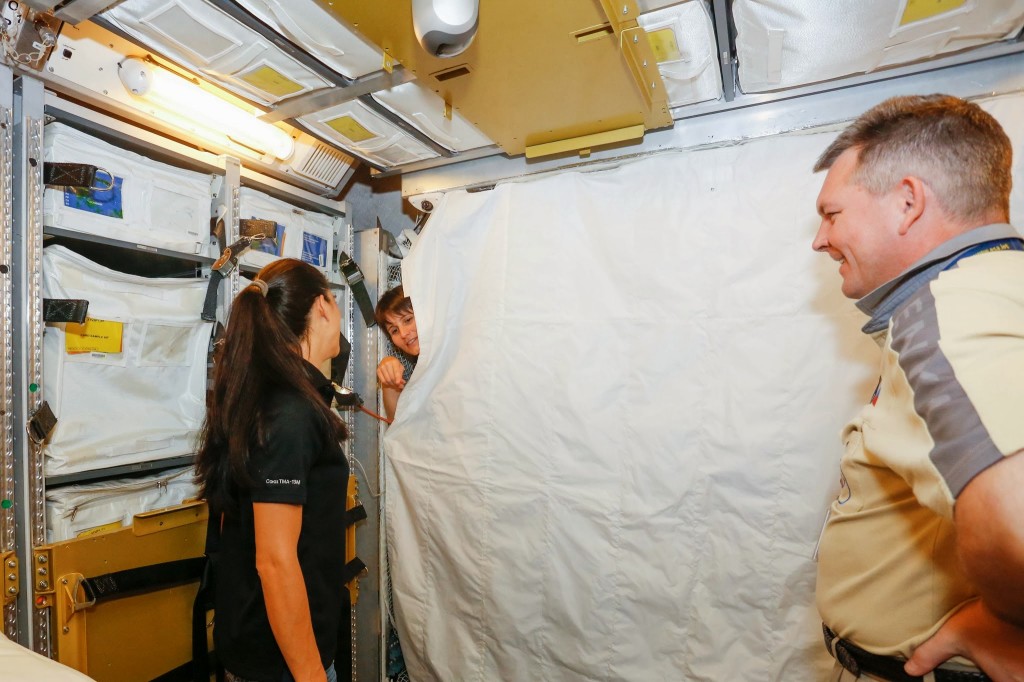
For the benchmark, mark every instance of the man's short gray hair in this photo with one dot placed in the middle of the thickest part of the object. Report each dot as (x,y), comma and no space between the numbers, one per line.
(954,146)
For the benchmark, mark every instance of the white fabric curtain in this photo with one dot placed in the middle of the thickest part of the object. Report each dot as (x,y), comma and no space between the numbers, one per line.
(614,457)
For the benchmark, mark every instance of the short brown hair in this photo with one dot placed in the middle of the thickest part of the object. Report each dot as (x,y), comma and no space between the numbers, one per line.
(954,146)
(392,302)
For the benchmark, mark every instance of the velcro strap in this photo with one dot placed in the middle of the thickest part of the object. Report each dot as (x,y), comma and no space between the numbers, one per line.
(42,423)
(69,174)
(354,515)
(143,579)
(352,570)
(65,310)
(251,227)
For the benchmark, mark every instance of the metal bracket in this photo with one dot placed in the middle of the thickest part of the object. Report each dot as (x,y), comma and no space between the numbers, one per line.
(42,585)
(351,500)
(12,577)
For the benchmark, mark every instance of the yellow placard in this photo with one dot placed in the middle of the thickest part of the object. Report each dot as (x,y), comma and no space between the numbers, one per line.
(116,525)
(94,336)
(271,81)
(916,10)
(663,43)
(350,128)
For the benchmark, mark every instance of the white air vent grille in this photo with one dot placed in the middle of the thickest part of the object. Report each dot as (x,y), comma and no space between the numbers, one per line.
(324,164)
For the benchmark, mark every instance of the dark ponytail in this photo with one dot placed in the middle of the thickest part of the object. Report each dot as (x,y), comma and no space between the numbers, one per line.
(261,351)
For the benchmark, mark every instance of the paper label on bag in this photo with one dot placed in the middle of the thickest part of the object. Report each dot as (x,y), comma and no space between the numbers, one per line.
(116,525)
(271,81)
(94,336)
(314,249)
(664,45)
(105,202)
(918,10)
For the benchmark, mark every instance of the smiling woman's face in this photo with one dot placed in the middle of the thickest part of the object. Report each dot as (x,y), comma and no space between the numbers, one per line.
(401,328)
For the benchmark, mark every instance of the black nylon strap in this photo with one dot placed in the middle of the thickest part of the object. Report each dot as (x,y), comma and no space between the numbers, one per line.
(858,662)
(354,515)
(143,579)
(354,277)
(65,310)
(68,174)
(210,302)
(352,570)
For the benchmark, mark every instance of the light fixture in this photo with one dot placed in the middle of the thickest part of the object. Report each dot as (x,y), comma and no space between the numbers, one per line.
(185,105)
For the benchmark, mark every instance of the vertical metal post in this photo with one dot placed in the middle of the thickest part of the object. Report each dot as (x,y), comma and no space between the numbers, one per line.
(372,663)
(30,495)
(8,540)
(723,32)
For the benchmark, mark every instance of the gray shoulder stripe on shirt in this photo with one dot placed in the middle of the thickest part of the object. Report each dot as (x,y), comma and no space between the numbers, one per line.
(963,447)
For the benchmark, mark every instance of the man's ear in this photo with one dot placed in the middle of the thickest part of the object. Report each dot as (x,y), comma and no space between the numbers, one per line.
(911,195)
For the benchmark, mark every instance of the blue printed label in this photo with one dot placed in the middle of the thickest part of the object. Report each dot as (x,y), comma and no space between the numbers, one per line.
(106,202)
(314,250)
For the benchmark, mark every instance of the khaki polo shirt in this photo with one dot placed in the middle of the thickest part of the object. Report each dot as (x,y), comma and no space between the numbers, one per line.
(949,404)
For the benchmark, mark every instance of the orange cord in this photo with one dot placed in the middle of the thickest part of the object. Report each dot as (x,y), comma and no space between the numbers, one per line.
(375,415)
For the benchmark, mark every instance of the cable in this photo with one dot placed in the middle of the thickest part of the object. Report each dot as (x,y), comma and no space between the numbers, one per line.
(366,479)
(375,415)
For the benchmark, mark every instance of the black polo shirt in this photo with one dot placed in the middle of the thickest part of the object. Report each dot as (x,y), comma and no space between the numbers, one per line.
(298,465)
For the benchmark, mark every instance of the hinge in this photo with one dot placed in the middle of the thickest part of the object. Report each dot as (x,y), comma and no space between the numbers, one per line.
(12,578)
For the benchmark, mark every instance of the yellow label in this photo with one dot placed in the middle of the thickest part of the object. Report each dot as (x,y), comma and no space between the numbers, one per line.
(271,81)
(94,336)
(663,43)
(350,128)
(917,10)
(116,525)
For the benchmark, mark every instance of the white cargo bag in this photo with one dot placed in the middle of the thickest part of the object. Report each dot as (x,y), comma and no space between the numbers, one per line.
(423,109)
(145,402)
(300,234)
(151,204)
(88,508)
(365,133)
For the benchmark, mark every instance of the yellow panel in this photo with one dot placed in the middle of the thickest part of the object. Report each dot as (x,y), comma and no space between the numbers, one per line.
(93,336)
(271,81)
(916,10)
(133,637)
(586,142)
(664,45)
(350,128)
(537,71)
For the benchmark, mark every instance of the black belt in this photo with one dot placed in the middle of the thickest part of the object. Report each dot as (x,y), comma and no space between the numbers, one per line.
(858,661)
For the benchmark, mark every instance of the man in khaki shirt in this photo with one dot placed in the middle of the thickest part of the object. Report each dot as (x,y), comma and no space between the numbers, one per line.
(922,557)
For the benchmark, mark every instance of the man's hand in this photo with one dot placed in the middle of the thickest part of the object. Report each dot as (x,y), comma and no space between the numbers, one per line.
(974,632)
(391,373)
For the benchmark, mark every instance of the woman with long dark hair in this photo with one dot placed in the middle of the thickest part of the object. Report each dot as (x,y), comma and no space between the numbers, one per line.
(271,467)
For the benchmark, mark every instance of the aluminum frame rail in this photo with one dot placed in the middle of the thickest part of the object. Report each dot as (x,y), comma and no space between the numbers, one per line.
(30,493)
(8,518)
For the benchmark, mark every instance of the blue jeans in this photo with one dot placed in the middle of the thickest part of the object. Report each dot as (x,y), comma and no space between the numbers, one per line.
(332,676)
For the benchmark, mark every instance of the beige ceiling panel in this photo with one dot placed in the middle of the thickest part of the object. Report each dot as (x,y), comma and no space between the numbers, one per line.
(537,72)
